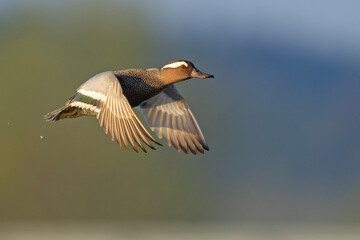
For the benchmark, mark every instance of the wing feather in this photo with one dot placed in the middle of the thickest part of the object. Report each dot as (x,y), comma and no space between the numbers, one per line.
(117,117)
(169,115)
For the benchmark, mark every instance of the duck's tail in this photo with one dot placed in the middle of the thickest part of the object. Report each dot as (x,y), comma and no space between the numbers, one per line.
(68,111)
(55,115)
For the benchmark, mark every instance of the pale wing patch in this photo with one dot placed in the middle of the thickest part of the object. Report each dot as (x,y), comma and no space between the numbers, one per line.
(176,64)
(92,94)
(85,106)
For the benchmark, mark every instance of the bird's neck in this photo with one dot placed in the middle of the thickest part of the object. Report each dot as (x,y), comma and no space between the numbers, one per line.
(169,76)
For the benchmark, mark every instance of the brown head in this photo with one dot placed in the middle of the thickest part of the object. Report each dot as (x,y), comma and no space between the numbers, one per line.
(180,70)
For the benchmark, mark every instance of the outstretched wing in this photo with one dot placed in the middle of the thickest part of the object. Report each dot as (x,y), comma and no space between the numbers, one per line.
(169,115)
(114,112)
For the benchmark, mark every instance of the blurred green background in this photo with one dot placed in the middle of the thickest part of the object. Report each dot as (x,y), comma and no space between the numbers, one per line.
(281,116)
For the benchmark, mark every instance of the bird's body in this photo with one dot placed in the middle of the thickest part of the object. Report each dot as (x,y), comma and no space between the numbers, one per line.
(139,85)
(110,96)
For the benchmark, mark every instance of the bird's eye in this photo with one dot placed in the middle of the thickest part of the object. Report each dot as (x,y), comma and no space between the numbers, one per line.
(183,66)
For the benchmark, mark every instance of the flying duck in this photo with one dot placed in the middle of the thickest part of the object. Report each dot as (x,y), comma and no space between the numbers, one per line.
(111,95)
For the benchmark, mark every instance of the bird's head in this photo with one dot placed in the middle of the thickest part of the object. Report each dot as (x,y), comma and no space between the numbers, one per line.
(180,70)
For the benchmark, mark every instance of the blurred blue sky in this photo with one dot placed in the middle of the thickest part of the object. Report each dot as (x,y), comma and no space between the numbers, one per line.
(328,27)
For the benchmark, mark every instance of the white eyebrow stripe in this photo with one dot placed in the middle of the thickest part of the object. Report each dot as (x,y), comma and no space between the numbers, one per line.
(176,64)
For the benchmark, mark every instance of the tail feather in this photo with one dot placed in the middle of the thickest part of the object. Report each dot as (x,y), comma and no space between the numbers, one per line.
(68,112)
(54,115)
